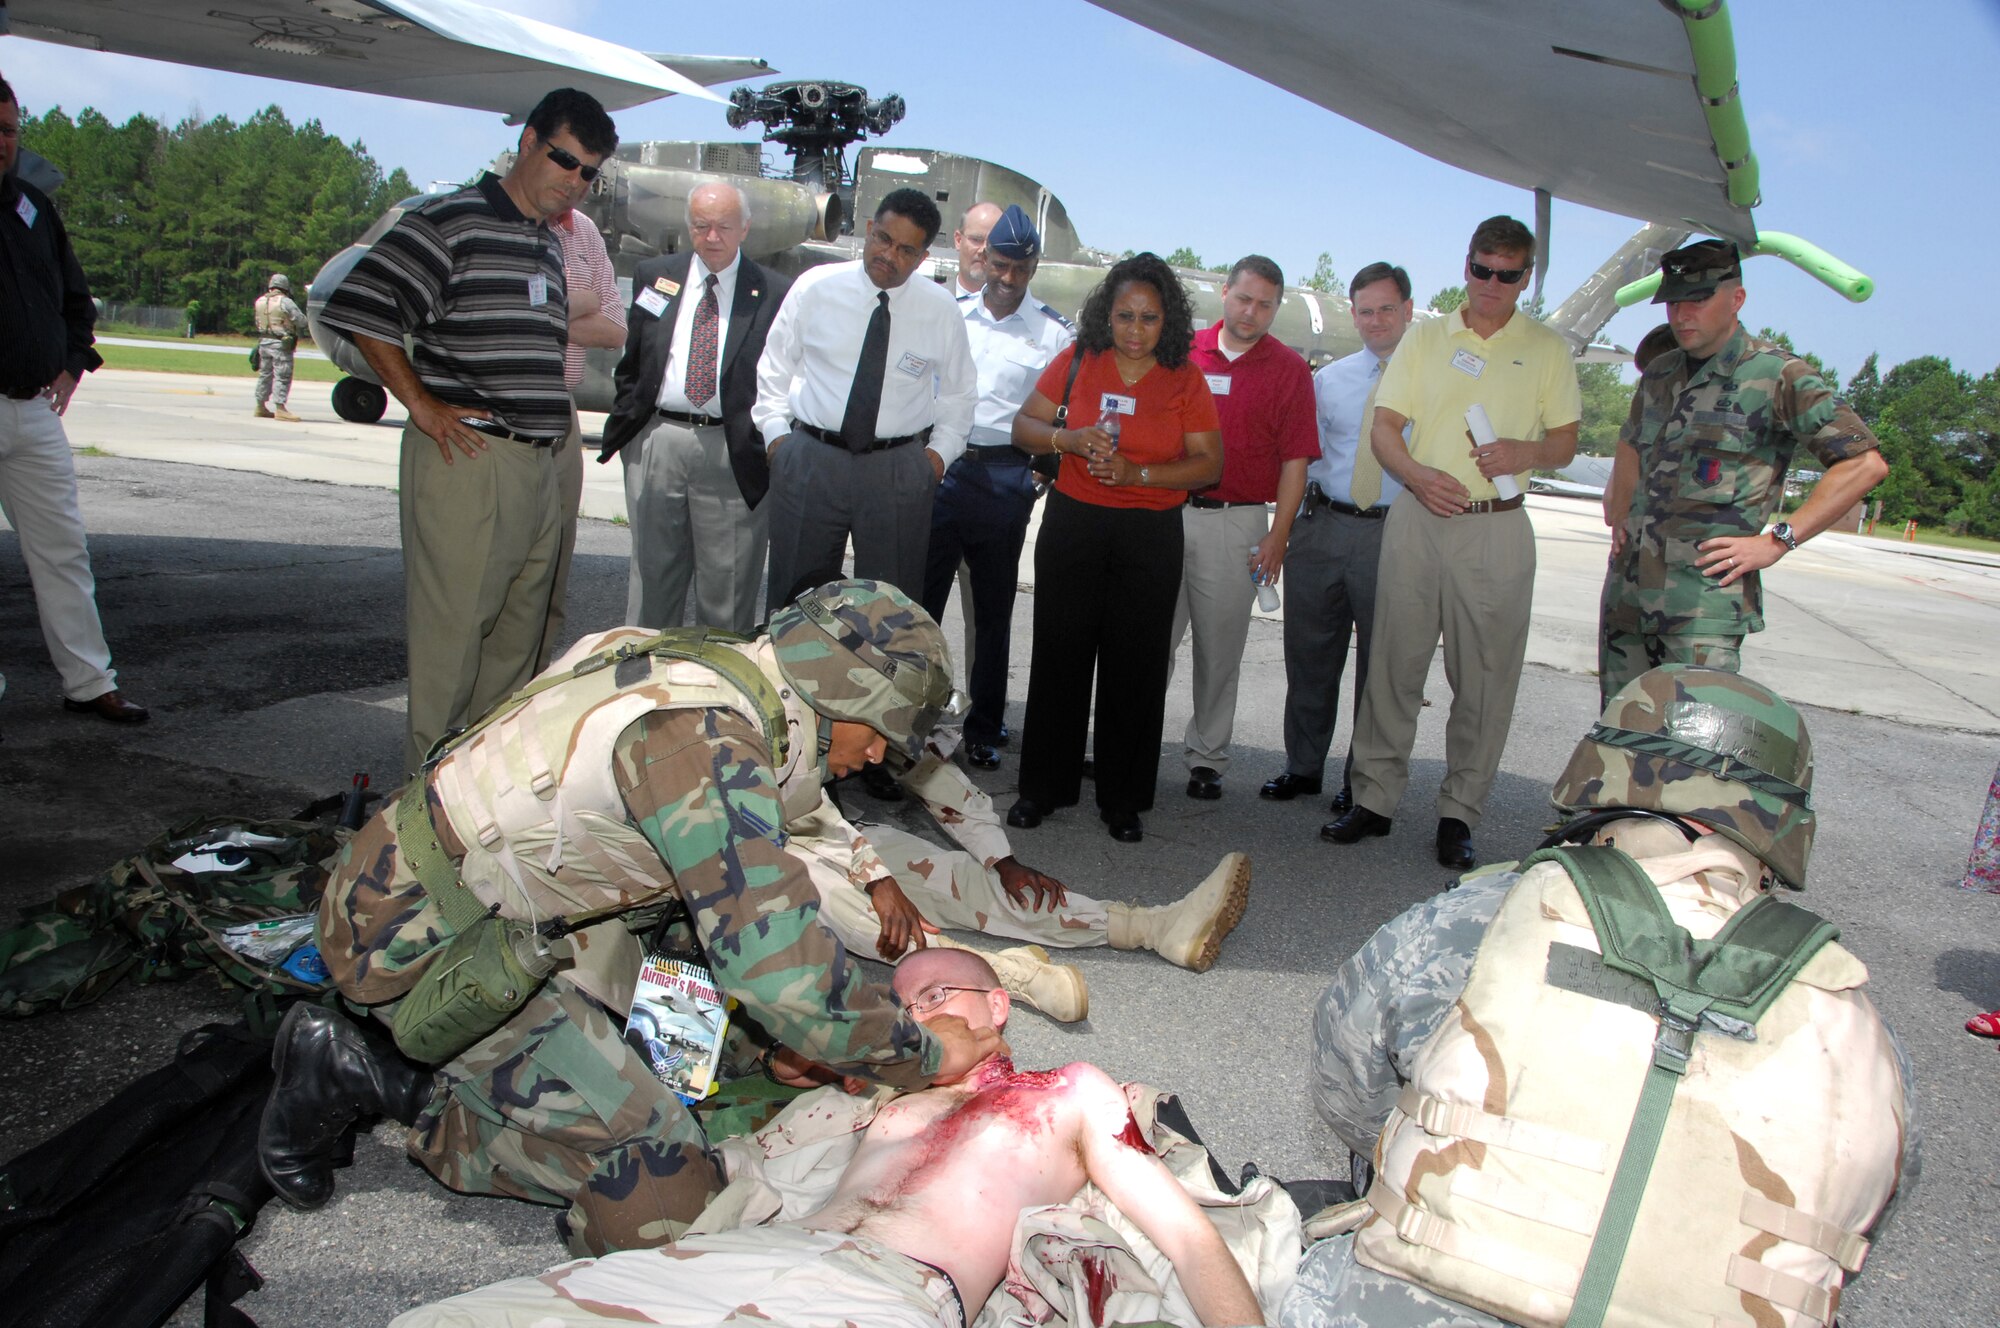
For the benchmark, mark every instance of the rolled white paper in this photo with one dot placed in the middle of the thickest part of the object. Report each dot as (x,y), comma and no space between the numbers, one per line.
(1482,434)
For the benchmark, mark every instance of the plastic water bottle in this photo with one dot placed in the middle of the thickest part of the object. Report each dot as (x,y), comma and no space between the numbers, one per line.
(1267,594)
(1109,423)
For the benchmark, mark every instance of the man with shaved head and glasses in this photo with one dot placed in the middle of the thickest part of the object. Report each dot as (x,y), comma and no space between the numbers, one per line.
(1458,554)
(475,279)
(919,1229)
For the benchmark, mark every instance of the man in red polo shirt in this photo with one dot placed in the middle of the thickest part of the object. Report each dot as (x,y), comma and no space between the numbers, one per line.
(1264,393)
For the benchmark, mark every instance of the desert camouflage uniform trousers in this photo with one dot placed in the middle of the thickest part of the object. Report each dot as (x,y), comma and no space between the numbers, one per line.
(949,887)
(554,1107)
(274,372)
(1622,655)
(753,1275)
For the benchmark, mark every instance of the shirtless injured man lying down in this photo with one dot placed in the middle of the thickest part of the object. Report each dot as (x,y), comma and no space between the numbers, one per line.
(1006,1198)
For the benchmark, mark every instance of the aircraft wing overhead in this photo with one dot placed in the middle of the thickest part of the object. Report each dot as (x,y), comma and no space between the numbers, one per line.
(1594,102)
(709,70)
(454,52)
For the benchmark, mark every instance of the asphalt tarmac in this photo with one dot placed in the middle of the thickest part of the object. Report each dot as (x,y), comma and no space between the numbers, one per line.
(260,616)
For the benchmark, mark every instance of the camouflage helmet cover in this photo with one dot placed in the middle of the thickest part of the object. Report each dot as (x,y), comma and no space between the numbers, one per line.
(863,651)
(279,281)
(1713,746)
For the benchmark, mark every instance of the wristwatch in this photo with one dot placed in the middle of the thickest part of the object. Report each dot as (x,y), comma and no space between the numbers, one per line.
(1782,532)
(1145,476)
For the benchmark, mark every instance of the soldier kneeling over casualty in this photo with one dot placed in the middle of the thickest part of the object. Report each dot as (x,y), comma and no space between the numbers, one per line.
(1623,1082)
(920,1228)
(488,915)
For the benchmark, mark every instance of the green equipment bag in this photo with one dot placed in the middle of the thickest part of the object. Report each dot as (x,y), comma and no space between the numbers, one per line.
(226,894)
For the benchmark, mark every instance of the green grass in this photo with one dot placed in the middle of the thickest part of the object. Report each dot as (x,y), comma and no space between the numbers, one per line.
(1941,538)
(108,329)
(166,360)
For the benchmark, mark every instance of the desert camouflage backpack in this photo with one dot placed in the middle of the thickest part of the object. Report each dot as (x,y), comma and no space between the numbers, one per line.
(226,894)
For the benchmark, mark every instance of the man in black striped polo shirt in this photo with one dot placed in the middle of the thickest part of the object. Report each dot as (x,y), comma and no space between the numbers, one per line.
(475,279)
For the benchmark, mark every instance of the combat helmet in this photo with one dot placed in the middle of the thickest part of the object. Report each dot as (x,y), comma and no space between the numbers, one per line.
(863,651)
(1705,744)
(279,281)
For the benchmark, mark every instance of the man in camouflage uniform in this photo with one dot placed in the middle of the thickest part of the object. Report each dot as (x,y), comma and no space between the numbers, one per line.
(278,324)
(1705,778)
(1700,469)
(675,775)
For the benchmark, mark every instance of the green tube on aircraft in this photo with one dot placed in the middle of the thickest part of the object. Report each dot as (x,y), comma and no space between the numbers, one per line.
(1713,43)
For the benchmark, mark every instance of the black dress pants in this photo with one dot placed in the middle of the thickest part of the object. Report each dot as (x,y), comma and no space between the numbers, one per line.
(1106,579)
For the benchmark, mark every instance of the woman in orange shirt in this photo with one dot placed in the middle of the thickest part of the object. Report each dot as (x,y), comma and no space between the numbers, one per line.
(1141,430)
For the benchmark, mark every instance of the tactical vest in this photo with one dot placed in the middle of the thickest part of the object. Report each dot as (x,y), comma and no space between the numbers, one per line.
(1779,1140)
(532,795)
(272,320)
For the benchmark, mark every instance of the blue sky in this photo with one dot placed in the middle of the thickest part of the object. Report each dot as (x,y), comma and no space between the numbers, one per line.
(1873,126)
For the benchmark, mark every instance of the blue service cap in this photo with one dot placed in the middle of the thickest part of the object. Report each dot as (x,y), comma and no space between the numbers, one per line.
(1014,236)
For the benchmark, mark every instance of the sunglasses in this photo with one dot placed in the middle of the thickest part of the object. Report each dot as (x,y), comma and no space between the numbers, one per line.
(569,162)
(1506,276)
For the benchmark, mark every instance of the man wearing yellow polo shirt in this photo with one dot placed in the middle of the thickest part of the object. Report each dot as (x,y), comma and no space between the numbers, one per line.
(1458,559)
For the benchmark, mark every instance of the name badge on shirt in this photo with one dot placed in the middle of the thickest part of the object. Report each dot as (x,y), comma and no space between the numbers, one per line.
(538,289)
(1467,363)
(913,365)
(652,302)
(25,209)
(1114,404)
(1218,384)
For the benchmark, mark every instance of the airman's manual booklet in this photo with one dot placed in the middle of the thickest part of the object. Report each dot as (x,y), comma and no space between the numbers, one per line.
(678,1020)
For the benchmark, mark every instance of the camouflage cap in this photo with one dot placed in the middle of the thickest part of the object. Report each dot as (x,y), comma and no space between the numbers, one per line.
(279,281)
(1712,746)
(1693,271)
(863,651)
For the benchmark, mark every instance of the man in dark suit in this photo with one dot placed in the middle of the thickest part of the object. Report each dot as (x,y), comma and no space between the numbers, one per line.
(695,469)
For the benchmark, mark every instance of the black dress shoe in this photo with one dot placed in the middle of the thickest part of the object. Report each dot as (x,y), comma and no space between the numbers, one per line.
(1357,824)
(1343,801)
(110,706)
(1454,844)
(881,785)
(982,755)
(1024,814)
(1288,786)
(1204,784)
(1124,826)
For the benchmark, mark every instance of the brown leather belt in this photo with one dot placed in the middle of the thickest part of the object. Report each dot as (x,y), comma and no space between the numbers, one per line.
(1485,505)
(24,393)
(492,430)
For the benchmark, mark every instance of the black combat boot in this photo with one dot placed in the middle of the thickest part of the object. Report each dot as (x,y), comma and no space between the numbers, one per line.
(329,1074)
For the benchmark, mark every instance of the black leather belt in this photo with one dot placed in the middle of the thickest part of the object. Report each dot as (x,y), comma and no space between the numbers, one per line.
(24,393)
(1316,500)
(996,454)
(1211,504)
(492,430)
(1485,505)
(692,419)
(840,441)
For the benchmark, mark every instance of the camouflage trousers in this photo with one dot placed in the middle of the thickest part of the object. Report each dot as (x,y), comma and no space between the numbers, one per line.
(554,1107)
(1333,1290)
(752,1275)
(274,372)
(949,888)
(1623,656)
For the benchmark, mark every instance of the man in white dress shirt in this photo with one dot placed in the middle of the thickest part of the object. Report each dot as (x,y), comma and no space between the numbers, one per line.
(975,229)
(1337,541)
(695,474)
(864,397)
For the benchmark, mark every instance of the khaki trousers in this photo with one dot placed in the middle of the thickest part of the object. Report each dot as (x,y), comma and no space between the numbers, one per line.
(1471,580)
(569,499)
(1216,598)
(480,540)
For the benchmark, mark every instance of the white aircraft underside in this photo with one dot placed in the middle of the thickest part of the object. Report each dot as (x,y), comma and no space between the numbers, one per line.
(1593,102)
(453,52)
